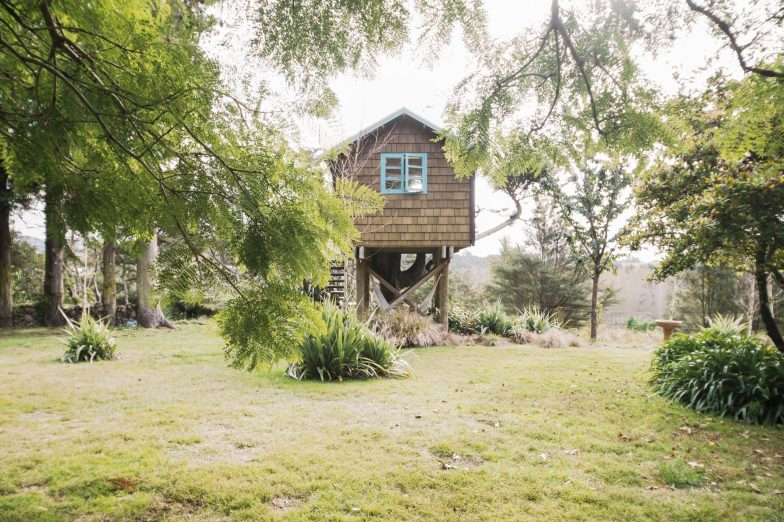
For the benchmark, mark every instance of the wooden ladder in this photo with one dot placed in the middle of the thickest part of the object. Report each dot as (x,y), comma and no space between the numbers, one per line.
(336,288)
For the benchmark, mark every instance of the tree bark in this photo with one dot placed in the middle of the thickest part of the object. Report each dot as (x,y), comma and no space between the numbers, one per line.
(595,305)
(766,314)
(109,287)
(148,309)
(54,260)
(6,276)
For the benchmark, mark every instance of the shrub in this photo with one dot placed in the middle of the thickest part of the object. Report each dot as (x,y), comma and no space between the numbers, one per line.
(402,327)
(730,375)
(347,349)
(493,319)
(88,340)
(640,326)
(464,321)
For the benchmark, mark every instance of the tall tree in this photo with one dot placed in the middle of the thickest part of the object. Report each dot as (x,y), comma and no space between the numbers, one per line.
(109,284)
(595,199)
(716,196)
(543,271)
(54,266)
(6,278)
(148,305)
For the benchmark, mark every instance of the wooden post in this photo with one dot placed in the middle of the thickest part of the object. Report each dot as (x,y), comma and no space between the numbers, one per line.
(363,286)
(442,288)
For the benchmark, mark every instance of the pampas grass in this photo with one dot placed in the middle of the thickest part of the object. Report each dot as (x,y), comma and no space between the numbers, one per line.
(404,328)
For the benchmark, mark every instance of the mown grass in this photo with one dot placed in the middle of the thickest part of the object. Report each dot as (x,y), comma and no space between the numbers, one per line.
(167,431)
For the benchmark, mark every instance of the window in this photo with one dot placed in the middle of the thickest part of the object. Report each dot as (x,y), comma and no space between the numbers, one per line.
(404,173)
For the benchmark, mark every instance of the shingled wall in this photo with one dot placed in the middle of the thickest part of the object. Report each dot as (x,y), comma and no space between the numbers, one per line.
(442,217)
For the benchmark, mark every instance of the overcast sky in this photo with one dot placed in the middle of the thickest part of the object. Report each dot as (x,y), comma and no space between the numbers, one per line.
(402,81)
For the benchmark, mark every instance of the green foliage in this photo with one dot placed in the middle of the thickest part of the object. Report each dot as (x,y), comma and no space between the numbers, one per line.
(265,325)
(27,271)
(346,349)
(464,320)
(640,326)
(577,65)
(725,374)
(493,319)
(140,134)
(89,339)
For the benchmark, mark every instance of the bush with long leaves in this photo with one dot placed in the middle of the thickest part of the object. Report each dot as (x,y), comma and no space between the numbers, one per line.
(89,339)
(463,320)
(494,319)
(346,349)
(726,374)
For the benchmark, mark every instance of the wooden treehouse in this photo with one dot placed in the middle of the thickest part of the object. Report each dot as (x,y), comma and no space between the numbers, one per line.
(428,213)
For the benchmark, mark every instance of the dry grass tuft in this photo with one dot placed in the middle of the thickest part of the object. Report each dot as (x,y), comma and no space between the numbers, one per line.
(553,338)
(404,328)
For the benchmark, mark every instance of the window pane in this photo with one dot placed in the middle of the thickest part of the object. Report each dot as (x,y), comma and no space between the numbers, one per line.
(414,184)
(415,161)
(415,171)
(393,184)
(394,161)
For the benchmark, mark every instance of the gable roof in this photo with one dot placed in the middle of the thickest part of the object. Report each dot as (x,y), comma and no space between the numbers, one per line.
(403,111)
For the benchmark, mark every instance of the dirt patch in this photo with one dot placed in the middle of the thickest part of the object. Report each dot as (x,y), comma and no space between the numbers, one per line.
(125,483)
(164,507)
(39,416)
(282,503)
(456,461)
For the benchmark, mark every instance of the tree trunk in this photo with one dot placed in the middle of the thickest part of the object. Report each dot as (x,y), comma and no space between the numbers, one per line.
(148,309)
(761,277)
(109,287)
(6,277)
(595,306)
(53,265)
(124,279)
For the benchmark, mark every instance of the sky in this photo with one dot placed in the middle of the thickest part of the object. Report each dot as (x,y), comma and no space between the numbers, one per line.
(403,81)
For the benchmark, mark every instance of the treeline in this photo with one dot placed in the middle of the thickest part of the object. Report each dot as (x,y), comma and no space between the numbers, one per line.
(101,279)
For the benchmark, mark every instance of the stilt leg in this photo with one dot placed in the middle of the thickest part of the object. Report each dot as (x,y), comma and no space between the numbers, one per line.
(363,287)
(442,289)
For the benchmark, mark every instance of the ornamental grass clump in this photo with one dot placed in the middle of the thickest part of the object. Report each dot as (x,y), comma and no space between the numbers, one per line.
(89,339)
(346,349)
(726,374)
(405,328)
(494,319)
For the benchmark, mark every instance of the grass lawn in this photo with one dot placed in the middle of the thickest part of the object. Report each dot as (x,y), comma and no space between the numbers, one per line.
(481,433)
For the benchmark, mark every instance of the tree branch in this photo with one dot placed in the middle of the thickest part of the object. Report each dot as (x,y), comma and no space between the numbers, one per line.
(724,27)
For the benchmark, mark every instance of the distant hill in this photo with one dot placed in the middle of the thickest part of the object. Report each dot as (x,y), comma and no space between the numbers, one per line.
(38,243)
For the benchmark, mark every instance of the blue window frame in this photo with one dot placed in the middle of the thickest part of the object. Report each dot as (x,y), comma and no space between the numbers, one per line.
(404,173)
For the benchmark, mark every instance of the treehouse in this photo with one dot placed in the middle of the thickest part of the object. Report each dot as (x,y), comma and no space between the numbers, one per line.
(428,213)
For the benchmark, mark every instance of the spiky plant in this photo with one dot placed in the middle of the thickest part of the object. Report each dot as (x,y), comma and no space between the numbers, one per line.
(89,339)
(346,349)
(726,324)
(494,319)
